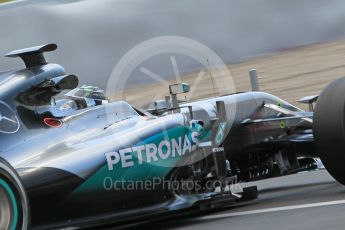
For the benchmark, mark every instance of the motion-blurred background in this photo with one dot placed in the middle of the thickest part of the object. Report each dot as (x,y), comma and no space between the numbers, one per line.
(296,45)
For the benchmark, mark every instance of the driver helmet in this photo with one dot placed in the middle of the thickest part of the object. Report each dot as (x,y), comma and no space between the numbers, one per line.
(88,96)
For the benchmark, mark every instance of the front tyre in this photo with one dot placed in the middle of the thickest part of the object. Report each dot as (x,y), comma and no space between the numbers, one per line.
(14,205)
(329,129)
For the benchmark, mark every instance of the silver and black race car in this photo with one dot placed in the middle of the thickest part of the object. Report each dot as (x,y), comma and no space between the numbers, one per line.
(76,159)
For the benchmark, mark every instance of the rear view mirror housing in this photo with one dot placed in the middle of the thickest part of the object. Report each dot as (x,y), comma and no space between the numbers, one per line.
(179,88)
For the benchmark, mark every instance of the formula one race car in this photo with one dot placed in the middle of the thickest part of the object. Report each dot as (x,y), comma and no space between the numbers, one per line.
(76,160)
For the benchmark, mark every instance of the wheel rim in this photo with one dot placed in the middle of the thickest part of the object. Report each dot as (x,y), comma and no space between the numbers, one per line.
(8,207)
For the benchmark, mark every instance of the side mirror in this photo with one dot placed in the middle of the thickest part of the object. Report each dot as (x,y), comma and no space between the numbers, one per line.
(309,100)
(179,88)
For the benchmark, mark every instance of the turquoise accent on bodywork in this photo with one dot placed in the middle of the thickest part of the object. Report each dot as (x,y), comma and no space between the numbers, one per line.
(185,87)
(144,171)
(220,133)
(14,203)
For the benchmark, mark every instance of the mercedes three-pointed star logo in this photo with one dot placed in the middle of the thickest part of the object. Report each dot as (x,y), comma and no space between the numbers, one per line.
(9,122)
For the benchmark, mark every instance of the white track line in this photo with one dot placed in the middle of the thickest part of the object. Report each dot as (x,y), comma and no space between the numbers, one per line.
(277,209)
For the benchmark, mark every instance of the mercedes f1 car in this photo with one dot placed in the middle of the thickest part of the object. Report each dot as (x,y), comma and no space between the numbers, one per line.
(78,160)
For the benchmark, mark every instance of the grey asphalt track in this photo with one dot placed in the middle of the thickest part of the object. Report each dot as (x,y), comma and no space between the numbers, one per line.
(305,201)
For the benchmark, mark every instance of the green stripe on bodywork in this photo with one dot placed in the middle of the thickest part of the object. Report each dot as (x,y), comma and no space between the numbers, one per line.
(139,172)
(14,203)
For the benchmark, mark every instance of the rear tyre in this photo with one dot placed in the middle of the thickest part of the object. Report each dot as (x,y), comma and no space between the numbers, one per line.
(14,206)
(329,129)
